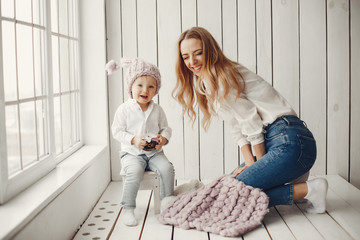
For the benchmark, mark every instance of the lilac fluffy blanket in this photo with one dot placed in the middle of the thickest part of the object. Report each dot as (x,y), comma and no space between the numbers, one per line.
(225,206)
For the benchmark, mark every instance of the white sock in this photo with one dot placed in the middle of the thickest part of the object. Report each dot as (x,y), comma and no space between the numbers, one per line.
(128,217)
(317,190)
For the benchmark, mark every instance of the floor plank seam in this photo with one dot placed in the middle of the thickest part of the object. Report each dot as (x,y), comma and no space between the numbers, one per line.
(303,212)
(339,225)
(113,226)
(266,229)
(146,214)
(285,222)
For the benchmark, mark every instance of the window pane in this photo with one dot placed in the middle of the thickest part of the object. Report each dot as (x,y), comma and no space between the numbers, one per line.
(12,138)
(64,64)
(55,63)
(72,18)
(63,17)
(38,12)
(41,114)
(9,60)
(54,16)
(75,117)
(23,10)
(28,133)
(66,121)
(7,8)
(25,61)
(73,65)
(57,120)
(74,69)
(39,66)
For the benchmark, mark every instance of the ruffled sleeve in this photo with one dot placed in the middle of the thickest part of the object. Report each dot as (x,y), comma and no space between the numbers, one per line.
(247,126)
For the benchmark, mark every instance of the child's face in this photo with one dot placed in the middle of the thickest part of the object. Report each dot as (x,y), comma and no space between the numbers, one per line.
(192,54)
(143,90)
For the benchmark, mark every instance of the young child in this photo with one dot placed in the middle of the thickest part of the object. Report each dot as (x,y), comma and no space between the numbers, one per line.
(135,120)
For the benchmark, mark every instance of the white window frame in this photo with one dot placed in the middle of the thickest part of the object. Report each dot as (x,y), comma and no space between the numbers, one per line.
(11,186)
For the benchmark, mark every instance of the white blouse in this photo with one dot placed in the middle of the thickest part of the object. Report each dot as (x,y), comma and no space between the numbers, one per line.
(130,121)
(259,105)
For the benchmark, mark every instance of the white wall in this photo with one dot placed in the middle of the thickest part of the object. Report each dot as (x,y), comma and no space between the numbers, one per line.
(308,50)
(62,217)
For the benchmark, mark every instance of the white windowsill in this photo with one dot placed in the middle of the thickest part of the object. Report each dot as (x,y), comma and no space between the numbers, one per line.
(20,210)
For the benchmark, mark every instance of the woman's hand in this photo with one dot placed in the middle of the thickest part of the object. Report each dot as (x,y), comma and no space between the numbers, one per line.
(162,141)
(249,159)
(138,142)
(238,171)
(241,169)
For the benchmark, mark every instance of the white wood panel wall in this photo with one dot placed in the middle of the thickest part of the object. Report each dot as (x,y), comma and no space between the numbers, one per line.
(309,50)
(354,168)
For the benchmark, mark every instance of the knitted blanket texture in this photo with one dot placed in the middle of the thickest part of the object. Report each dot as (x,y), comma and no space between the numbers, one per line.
(226,207)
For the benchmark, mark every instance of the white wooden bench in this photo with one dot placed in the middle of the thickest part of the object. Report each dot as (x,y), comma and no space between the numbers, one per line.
(151,181)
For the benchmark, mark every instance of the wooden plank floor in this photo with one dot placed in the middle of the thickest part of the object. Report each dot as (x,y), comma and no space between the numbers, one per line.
(341,221)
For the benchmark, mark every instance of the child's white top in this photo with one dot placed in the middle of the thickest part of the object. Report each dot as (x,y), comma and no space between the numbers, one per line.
(259,105)
(131,121)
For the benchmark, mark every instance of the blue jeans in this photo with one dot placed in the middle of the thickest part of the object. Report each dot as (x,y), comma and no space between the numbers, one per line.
(290,153)
(134,168)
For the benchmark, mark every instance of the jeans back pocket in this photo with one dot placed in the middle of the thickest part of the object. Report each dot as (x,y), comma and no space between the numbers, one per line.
(308,151)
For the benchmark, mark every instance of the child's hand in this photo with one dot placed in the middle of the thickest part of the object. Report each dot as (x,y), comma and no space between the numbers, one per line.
(138,142)
(162,141)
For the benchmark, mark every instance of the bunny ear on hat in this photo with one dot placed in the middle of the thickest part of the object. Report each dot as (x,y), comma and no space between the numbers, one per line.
(111,67)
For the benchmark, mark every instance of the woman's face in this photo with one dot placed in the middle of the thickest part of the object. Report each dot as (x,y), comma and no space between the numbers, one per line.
(192,54)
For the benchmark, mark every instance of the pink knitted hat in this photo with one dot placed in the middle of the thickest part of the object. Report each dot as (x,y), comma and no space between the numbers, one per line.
(137,68)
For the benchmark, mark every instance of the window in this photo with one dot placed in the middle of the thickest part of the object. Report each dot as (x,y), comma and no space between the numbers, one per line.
(65,79)
(40,89)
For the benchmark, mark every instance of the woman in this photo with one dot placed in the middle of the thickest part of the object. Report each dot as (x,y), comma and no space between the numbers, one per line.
(261,119)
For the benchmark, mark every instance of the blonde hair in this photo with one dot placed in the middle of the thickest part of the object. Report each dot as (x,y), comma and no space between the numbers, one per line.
(217,70)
